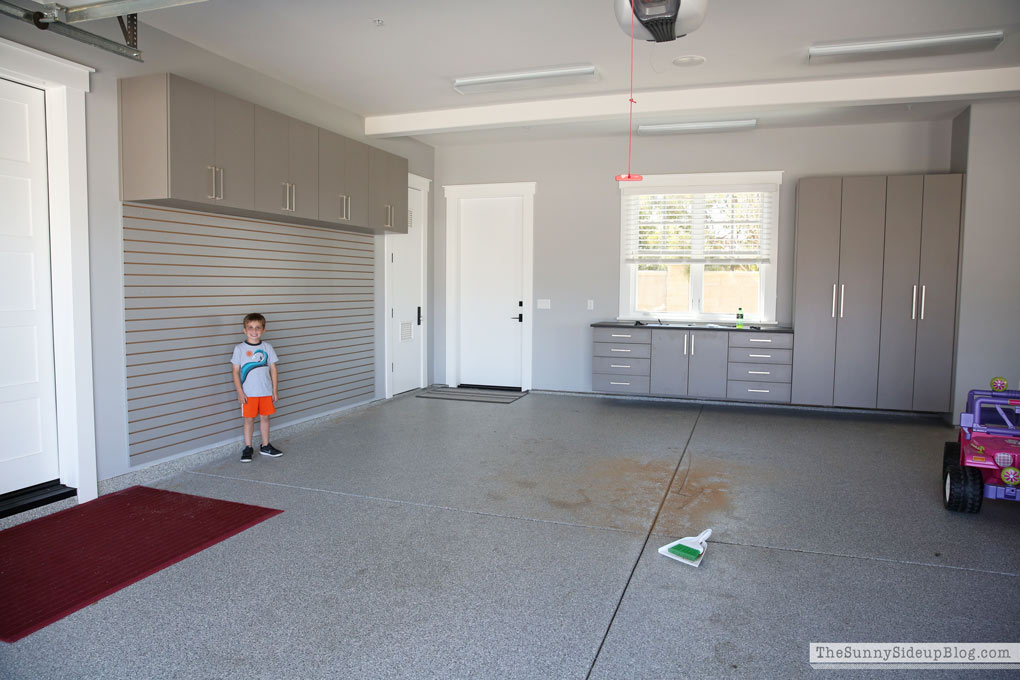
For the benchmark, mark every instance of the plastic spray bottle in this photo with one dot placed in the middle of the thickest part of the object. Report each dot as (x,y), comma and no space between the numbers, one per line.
(740,317)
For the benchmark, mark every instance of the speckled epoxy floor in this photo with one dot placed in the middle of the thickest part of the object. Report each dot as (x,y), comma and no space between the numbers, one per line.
(439,539)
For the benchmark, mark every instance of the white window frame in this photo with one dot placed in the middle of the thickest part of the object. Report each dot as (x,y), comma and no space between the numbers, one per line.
(695,182)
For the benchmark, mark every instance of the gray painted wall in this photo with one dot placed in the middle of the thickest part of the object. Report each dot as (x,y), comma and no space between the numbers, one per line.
(577,212)
(989,328)
(961,138)
(161,52)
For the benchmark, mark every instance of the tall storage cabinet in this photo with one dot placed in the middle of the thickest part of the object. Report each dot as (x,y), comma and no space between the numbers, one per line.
(919,292)
(817,247)
(875,303)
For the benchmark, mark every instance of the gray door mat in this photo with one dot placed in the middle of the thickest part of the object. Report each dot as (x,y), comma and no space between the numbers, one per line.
(471,394)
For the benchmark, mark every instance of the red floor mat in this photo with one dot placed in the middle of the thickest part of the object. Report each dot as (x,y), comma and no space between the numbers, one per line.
(55,565)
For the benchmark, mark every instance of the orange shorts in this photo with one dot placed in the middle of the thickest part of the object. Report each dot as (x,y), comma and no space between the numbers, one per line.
(258,406)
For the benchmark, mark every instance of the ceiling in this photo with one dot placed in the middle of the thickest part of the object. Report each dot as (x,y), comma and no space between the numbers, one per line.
(393,72)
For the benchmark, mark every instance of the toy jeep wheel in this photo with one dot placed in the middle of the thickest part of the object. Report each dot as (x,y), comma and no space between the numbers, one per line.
(950,455)
(964,488)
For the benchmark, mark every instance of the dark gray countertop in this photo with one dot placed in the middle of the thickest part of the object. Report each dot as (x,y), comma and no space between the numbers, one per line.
(694,326)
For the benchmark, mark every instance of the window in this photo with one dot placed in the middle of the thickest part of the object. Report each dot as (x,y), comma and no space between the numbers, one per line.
(698,247)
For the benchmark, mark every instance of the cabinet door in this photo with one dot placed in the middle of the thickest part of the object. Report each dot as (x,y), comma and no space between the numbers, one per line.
(272,161)
(235,151)
(397,182)
(356,174)
(859,318)
(817,246)
(192,141)
(669,363)
(377,189)
(900,292)
(708,364)
(332,195)
(303,160)
(940,242)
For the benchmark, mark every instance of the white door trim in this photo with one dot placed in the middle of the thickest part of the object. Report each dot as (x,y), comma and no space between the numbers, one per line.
(65,84)
(454,194)
(422,184)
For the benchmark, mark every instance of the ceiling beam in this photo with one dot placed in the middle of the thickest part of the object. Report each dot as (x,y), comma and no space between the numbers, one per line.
(863,91)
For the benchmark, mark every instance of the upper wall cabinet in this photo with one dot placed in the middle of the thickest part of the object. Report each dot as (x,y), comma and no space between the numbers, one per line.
(343,179)
(181,140)
(387,195)
(185,144)
(286,165)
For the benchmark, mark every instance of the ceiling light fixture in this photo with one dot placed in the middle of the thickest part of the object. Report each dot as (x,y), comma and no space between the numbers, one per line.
(908,47)
(688,60)
(703,126)
(560,75)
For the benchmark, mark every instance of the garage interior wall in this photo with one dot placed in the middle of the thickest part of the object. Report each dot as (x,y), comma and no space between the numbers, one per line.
(190,277)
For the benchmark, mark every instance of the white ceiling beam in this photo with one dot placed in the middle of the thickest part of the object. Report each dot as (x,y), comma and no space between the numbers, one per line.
(872,90)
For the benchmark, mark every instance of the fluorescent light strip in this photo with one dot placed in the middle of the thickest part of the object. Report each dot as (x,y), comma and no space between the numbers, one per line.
(705,126)
(582,72)
(955,42)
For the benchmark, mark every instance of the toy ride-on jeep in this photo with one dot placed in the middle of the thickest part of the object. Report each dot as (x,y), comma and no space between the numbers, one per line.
(984,462)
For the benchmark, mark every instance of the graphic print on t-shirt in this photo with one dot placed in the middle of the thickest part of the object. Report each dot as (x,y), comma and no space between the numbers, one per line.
(253,362)
(261,359)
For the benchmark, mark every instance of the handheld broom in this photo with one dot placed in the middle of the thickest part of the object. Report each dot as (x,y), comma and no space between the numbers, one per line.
(688,550)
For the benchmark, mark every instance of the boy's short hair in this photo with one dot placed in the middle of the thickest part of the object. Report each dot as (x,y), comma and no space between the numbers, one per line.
(254,316)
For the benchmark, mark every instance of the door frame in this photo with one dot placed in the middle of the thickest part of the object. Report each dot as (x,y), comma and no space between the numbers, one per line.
(65,84)
(422,184)
(455,193)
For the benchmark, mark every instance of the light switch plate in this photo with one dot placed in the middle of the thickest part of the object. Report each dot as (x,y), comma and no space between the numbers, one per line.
(545,304)
(591,305)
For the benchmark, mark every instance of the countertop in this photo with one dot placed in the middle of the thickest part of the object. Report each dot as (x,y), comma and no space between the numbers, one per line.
(692,326)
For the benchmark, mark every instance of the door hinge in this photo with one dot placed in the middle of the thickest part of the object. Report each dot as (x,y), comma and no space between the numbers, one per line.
(391,312)
(391,257)
(392,368)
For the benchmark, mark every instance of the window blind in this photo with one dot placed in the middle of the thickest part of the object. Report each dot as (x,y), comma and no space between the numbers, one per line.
(699,225)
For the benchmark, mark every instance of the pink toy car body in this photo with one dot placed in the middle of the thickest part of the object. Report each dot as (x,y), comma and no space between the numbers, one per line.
(985,462)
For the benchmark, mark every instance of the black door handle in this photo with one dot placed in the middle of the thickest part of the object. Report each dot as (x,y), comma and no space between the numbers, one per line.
(519,317)
(419,316)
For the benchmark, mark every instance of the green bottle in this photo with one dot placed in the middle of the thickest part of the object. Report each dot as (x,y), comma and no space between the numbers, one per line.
(740,317)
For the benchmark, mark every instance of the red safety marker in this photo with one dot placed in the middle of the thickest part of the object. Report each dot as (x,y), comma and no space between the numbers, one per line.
(630,177)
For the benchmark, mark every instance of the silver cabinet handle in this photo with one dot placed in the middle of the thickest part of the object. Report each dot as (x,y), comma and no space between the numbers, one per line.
(759,372)
(343,206)
(692,344)
(293,197)
(286,195)
(913,304)
(760,356)
(347,208)
(759,339)
(620,335)
(613,349)
(219,171)
(618,383)
(619,365)
(842,289)
(212,179)
(922,301)
(685,344)
(834,301)
(765,391)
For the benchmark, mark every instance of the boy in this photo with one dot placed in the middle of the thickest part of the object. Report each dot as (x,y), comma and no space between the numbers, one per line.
(254,369)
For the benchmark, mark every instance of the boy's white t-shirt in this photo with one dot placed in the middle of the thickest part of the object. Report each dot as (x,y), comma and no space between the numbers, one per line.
(254,361)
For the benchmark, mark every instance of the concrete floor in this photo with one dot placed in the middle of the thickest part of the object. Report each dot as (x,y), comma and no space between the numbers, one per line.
(424,538)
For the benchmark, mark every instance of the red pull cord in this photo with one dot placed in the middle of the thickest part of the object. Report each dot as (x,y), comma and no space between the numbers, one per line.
(630,130)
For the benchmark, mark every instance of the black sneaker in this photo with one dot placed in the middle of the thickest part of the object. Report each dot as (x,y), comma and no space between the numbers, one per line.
(246,454)
(270,450)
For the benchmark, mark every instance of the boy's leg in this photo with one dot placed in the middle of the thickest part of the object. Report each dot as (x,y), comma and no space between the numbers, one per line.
(249,429)
(267,449)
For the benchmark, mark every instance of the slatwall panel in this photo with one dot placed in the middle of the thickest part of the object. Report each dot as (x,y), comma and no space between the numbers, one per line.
(189,279)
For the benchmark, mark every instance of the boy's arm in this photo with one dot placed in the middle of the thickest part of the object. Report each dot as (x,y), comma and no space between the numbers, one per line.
(241,396)
(272,374)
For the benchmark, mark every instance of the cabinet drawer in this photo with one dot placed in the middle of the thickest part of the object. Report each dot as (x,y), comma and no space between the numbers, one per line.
(620,366)
(758,391)
(607,349)
(623,384)
(761,340)
(754,355)
(639,335)
(773,373)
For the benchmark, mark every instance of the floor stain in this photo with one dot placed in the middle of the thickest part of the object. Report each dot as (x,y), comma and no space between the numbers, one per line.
(703,498)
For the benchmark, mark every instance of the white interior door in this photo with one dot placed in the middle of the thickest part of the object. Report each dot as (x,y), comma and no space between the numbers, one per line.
(27,392)
(406,291)
(491,291)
